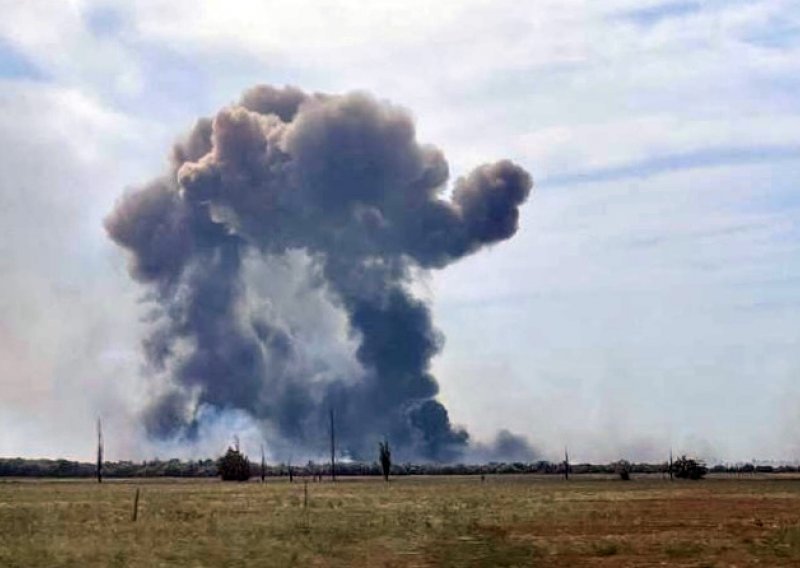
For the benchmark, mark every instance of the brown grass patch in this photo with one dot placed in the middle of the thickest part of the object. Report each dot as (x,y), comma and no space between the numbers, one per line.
(457,521)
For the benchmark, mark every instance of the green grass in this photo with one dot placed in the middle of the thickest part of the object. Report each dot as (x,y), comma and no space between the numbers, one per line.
(441,521)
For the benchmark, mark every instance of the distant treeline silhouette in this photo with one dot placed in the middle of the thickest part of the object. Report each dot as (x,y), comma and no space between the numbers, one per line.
(60,468)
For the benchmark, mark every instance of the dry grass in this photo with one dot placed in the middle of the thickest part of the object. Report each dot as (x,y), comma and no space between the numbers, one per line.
(506,521)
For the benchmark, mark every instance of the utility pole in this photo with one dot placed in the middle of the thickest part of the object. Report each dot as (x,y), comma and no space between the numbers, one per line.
(566,464)
(333,449)
(99,451)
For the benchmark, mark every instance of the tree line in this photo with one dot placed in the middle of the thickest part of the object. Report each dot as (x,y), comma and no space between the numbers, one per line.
(58,468)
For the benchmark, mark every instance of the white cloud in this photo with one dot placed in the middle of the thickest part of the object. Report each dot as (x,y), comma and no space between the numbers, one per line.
(55,36)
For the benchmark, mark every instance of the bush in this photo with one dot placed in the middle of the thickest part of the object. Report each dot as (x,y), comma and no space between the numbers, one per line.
(687,468)
(234,466)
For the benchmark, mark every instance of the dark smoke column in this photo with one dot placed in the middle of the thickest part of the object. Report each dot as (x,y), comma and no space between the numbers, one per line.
(342,179)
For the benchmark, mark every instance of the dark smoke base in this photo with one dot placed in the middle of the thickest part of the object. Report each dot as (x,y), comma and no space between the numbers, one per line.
(342,179)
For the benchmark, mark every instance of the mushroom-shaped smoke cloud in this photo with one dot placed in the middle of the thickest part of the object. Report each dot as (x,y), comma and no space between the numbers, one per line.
(340,182)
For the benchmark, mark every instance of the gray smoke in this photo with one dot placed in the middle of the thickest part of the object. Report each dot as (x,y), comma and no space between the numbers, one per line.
(340,183)
(506,447)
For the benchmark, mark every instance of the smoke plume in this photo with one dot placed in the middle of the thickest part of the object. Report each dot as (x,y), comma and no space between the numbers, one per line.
(331,194)
(506,447)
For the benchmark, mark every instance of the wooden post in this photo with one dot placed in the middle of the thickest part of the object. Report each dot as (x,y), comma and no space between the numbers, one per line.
(305,504)
(136,505)
(333,449)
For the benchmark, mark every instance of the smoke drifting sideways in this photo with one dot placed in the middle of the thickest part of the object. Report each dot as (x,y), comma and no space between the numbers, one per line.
(338,188)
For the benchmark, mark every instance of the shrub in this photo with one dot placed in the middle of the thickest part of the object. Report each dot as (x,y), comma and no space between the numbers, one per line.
(234,466)
(687,468)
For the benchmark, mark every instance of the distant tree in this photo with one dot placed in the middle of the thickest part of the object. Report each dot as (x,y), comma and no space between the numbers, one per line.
(688,468)
(234,466)
(385,456)
(623,469)
(263,465)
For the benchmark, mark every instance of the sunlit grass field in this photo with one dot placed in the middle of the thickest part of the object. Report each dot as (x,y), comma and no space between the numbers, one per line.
(414,521)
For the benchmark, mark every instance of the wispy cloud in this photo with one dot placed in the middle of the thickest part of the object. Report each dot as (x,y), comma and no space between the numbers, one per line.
(705,158)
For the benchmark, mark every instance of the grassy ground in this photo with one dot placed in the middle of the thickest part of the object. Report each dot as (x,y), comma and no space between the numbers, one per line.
(457,521)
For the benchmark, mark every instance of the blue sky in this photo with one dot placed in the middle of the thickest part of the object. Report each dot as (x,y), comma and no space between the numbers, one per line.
(650,299)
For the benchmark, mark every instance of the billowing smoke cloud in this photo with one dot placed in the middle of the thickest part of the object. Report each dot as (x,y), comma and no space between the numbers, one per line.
(339,188)
(506,447)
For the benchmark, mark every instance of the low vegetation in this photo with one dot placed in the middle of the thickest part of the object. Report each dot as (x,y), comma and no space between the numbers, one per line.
(19,467)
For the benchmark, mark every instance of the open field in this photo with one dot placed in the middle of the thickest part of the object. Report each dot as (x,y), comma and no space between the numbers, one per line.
(449,521)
